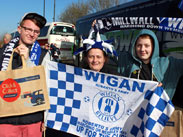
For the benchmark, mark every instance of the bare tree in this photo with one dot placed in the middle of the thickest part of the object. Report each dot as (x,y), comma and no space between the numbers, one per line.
(98,5)
(74,11)
(80,8)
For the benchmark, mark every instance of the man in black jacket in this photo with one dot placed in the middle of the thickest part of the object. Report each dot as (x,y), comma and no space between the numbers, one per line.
(28,125)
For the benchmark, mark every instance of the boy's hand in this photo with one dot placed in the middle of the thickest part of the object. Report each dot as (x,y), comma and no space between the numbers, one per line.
(23,50)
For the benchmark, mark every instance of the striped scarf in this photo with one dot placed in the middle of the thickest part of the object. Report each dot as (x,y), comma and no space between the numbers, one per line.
(34,55)
(7,53)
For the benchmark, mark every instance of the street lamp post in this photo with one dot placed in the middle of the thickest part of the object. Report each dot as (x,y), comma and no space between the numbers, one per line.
(44,8)
(54,12)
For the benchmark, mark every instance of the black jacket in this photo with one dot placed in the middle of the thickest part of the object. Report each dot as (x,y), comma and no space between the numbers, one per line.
(1,52)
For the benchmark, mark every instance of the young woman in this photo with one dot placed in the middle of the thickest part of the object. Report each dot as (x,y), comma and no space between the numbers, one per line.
(96,54)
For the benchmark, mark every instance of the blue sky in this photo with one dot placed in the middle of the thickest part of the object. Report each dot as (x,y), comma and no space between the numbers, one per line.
(11,11)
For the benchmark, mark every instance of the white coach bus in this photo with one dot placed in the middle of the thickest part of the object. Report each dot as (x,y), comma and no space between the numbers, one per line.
(61,34)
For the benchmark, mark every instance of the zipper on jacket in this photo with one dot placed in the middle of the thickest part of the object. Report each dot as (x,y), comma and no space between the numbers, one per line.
(138,75)
(153,75)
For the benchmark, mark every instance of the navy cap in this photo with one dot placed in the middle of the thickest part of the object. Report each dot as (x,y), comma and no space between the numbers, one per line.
(40,19)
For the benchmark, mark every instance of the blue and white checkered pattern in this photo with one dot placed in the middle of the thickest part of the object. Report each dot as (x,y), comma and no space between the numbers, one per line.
(153,116)
(63,104)
(144,113)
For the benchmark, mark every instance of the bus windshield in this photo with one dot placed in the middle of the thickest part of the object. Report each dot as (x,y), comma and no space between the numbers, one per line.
(62,30)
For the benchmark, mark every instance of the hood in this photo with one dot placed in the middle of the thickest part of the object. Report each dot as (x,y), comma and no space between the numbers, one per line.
(156,44)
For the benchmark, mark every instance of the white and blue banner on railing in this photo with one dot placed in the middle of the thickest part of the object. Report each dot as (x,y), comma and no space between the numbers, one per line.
(169,24)
(93,104)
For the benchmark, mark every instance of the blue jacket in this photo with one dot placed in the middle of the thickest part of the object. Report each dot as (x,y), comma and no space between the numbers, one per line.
(167,70)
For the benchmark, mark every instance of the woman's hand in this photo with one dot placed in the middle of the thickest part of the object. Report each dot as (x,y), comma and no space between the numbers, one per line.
(160,84)
(94,22)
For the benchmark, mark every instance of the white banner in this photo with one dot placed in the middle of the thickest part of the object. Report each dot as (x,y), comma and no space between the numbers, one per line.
(92,104)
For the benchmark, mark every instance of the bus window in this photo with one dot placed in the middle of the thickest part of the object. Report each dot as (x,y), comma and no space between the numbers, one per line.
(61,30)
(117,43)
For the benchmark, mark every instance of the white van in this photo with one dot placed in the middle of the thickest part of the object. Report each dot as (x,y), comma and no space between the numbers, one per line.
(63,35)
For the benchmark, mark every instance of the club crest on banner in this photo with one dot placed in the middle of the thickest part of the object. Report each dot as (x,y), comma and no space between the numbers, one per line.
(108,106)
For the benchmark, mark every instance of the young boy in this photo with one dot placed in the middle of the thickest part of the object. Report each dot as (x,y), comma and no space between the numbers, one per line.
(145,63)
(28,125)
